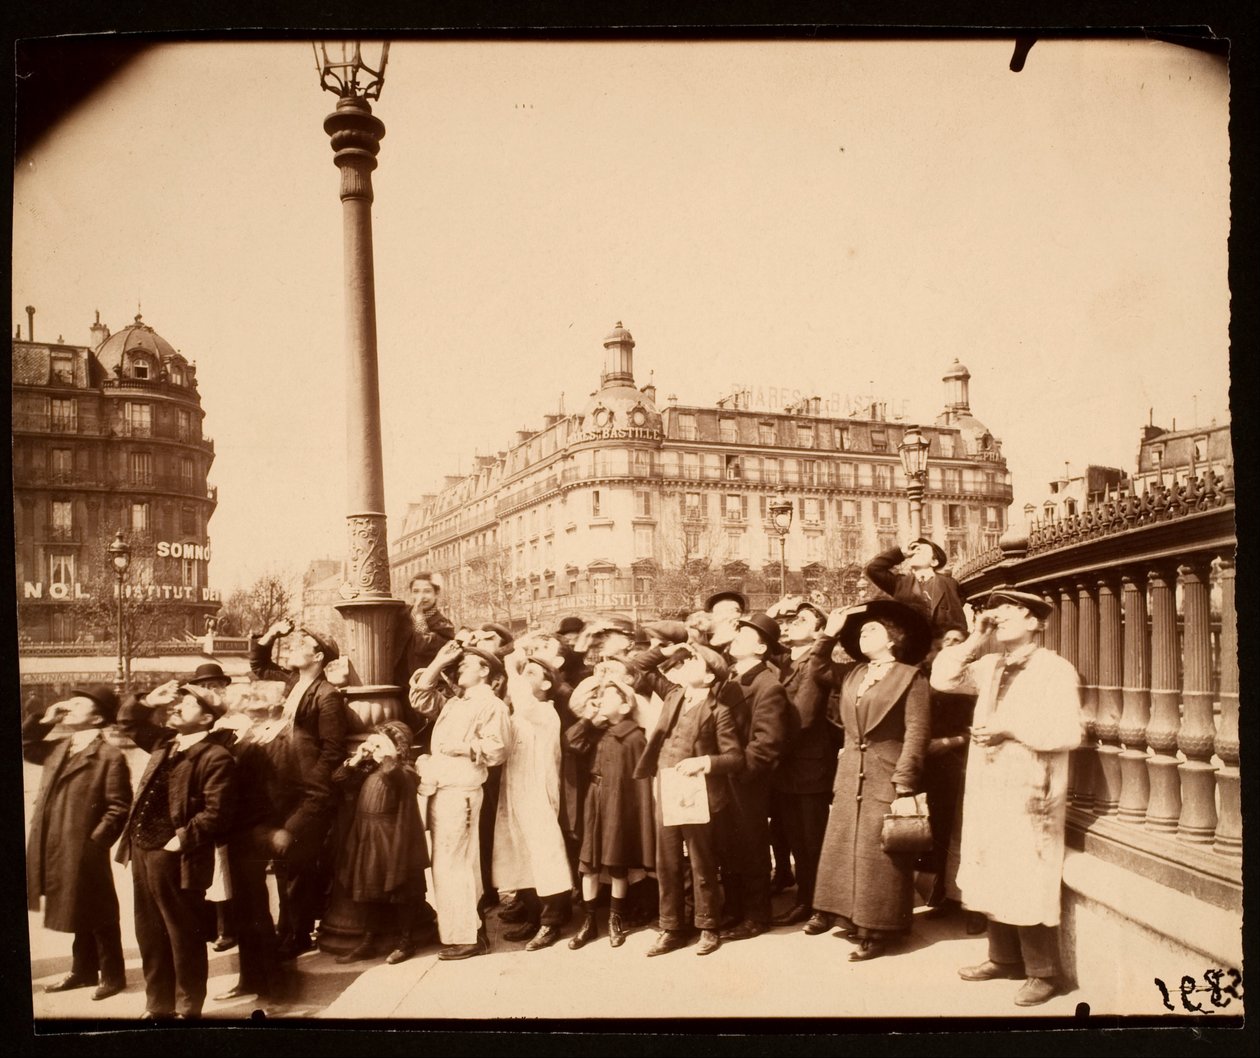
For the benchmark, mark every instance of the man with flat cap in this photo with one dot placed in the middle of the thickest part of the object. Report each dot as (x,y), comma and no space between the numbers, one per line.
(725,608)
(922,585)
(84,798)
(767,724)
(470,735)
(182,810)
(312,731)
(1027,720)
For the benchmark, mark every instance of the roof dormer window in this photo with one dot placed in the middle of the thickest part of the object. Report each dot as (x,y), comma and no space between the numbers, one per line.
(140,369)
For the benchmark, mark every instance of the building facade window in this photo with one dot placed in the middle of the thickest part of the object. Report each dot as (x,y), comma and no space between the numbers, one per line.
(882,476)
(183,424)
(693,505)
(811,512)
(61,570)
(734,545)
(809,472)
(952,477)
(644,541)
(61,464)
(140,467)
(765,433)
(956,514)
(140,369)
(642,503)
(850,511)
(727,432)
(735,508)
(840,436)
(886,514)
(65,415)
(772,471)
(596,506)
(687,426)
(804,435)
(63,369)
(138,419)
(879,439)
(691,465)
(62,518)
(188,520)
(734,468)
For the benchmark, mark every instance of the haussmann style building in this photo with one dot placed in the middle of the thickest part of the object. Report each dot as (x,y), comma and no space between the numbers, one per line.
(639,508)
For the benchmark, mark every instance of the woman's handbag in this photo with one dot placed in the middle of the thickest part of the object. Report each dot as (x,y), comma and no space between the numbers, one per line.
(907,832)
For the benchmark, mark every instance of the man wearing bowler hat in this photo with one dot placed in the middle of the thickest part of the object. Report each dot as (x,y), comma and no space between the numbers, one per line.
(724,608)
(210,675)
(182,810)
(1027,719)
(84,798)
(312,730)
(767,724)
(922,585)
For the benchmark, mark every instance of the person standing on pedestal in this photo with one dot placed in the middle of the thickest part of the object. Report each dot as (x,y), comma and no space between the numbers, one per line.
(1027,719)
(923,585)
(420,630)
(470,735)
(313,726)
(84,799)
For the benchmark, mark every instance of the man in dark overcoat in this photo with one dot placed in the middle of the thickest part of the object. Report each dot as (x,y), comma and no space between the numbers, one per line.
(922,586)
(84,797)
(768,724)
(313,727)
(181,811)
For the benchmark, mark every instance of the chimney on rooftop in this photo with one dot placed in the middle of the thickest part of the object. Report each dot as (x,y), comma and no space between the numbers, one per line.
(30,323)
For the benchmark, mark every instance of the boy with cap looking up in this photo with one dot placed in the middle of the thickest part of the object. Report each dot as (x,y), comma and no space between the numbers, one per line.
(470,735)
(767,722)
(923,585)
(695,734)
(182,809)
(1027,719)
(84,798)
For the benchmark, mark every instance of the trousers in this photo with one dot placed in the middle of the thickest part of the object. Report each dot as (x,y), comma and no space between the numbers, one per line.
(671,873)
(98,951)
(1037,947)
(455,828)
(171,932)
(248,855)
(805,816)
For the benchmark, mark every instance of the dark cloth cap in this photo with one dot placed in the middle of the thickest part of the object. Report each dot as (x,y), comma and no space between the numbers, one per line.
(767,628)
(719,596)
(570,626)
(553,670)
(918,630)
(713,661)
(670,631)
(942,559)
(491,659)
(500,630)
(326,644)
(207,699)
(104,697)
(1034,604)
(211,670)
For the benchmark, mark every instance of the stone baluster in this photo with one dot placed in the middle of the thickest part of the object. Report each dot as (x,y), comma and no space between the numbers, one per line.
(1050,630)
(1197,736)
(1110,702)
(1087,668)
(1135,787)
(1229,826)
(1163,809)
(1080,771)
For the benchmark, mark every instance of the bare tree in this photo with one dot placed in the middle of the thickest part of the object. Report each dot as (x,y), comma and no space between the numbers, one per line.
(256,607)
(692,552)
(488,591)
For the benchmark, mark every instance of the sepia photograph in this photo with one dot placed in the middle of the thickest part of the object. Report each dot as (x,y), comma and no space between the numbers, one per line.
(626,529)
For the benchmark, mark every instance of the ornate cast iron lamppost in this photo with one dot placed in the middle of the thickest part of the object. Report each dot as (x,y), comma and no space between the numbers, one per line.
(120,555)
(914,460)
(369,610)
(780,509)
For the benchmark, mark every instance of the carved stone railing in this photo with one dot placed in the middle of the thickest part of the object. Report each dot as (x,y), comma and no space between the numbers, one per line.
(1143,596)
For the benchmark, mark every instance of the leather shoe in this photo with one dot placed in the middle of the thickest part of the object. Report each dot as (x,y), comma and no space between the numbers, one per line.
(799,913)
(819,922)
(709,942)
(993,971)
(586,933)
(461,951)
(293,947)
(669,940)
(236,992)
(1036,990)
(223,943)
(70,981)
(744,931)
(616,930)
(525,931)
(868,949)
(544,938)
(515,912)
(400,954)
(108,988)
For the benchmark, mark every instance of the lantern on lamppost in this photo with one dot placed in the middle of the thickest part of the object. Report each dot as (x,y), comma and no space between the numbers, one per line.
(914,461)
(780,509)
(120,554)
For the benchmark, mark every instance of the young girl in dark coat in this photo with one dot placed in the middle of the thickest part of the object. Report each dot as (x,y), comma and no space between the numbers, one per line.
(618,826)
(383,859)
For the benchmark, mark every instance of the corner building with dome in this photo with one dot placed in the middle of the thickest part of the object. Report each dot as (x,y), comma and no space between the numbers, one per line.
(640,507)
(108,436)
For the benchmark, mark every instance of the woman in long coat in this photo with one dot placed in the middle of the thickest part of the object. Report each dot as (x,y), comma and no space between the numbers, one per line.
(84,798)
(886,718)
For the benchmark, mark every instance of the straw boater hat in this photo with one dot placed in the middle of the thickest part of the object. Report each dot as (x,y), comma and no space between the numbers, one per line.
(918,631)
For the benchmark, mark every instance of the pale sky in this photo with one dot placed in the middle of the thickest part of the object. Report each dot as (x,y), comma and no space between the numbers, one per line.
(838,217)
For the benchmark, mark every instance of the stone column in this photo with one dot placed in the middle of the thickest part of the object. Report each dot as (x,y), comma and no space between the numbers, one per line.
(1089,781)
(1197,736)
(1229,826)
(1080,777)
(1110,699)
(1135,787)
(1163,809)
(1050,630)
(369,610)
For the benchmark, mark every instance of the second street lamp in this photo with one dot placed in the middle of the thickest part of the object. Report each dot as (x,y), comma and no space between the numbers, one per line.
(780,509)
(120,554)
(914,460)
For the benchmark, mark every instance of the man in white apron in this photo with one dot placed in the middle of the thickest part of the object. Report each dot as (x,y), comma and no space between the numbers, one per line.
(1027,719)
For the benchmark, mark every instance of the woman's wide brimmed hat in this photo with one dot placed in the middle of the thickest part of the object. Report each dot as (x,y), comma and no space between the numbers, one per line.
(918,630)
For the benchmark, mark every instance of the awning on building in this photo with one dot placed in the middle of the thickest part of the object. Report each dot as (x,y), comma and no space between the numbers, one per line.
(101,668)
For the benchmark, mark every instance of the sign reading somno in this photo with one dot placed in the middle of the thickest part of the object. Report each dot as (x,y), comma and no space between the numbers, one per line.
(174,549)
